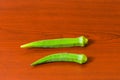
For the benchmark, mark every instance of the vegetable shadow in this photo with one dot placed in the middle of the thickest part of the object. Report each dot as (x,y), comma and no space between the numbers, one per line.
(90,42)
(90,60)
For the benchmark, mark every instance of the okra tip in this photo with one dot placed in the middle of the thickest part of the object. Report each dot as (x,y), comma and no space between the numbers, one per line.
(24,46)
(32,64)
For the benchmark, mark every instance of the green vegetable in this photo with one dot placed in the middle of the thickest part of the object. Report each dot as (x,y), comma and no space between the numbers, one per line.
(67,57)
(56,43)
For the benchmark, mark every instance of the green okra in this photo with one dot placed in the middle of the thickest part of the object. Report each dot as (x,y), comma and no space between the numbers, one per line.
(67,57)
(57,43)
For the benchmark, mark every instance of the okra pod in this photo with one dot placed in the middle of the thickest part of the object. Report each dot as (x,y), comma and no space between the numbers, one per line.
(67,57)
(57,43)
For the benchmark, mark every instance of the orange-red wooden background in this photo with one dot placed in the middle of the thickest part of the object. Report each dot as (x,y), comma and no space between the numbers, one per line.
(22,21)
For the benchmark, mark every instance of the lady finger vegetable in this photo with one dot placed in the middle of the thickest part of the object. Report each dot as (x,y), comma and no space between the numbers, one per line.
(56,43)
(67,57)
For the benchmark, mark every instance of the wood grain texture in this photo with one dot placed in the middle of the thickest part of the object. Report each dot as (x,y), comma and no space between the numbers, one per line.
(22,21)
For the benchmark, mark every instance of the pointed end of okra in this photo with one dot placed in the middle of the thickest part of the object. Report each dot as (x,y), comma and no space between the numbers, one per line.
(35,63)
(82,58)
(25,46)
(83,41)
(32,64)
(39,61)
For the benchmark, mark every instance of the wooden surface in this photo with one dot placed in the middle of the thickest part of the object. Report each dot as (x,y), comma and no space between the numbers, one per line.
(22,21)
